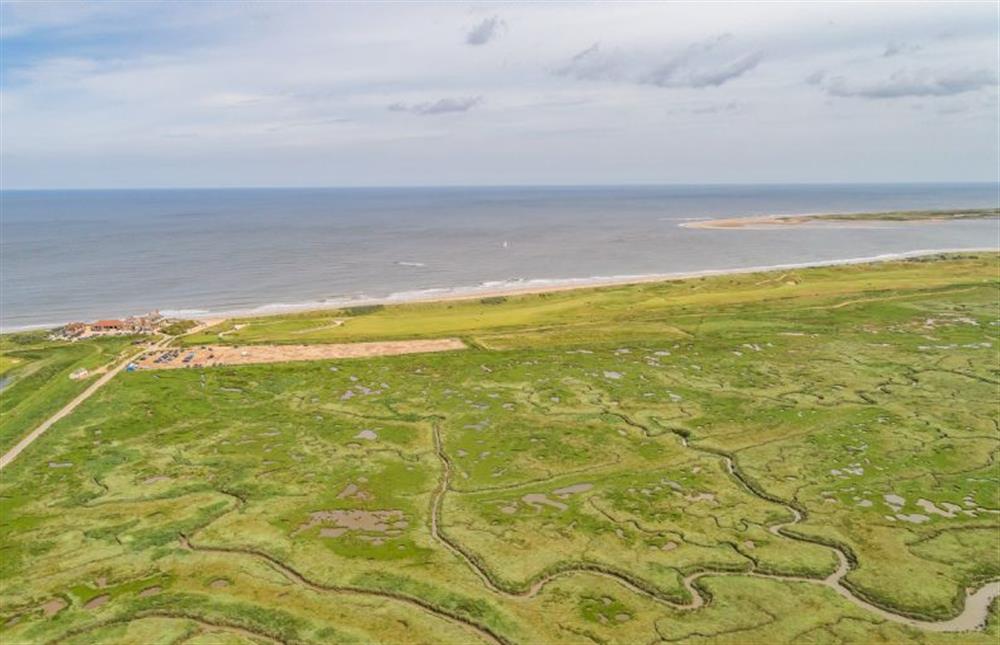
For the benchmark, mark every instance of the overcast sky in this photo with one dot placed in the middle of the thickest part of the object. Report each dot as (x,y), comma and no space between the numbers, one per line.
(342,94)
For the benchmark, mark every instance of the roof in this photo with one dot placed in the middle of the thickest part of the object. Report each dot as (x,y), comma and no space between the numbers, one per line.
(108,323)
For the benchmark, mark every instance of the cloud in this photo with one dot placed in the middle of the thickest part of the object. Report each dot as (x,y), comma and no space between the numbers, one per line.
(441,106)
(212,93)
(701,64)
(232,99)
(730,108)
(922,82)
(684,72)
(897,48)
(592,64)
(816,78)
(952,109)
(716,76)
(484,32)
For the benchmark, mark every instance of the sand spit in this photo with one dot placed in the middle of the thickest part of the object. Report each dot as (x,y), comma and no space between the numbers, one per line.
(210,355)
(824,220)
(765,222)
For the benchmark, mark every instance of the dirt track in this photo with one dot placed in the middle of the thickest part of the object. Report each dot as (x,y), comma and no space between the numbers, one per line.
(108,374)
(210,355)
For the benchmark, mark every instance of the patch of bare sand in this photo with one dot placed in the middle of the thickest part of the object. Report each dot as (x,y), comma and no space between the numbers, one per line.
(53,607)
(155,479)
(571,490)
(352,491)
(537,500)
(99,601)
(387,523)
(786,221)
(254,354)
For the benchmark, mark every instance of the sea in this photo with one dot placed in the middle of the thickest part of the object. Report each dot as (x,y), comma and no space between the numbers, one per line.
(86,254)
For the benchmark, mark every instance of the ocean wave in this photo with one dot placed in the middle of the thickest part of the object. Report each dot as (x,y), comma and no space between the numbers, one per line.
(184,313)
(512,286)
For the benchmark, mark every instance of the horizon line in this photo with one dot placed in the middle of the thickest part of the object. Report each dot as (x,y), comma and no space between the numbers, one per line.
(525,185)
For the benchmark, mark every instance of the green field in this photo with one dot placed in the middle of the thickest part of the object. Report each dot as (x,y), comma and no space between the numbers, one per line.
(677,461)
(35,373)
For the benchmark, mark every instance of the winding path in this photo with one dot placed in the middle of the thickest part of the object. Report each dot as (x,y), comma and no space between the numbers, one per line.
(972,617)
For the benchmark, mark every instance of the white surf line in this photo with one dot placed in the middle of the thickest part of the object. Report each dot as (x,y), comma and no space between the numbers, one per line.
(546,285)
(529,286)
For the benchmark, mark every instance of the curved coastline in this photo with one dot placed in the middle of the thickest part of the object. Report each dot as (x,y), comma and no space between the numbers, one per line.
(513,288)
(547,285)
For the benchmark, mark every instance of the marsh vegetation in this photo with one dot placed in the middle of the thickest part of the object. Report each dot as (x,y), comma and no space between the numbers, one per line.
(802,456)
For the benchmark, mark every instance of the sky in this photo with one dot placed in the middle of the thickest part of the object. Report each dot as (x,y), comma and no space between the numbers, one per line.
(201,94)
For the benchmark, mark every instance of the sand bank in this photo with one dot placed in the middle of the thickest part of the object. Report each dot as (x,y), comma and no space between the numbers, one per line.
(802,220)
(210,355)
(891,219)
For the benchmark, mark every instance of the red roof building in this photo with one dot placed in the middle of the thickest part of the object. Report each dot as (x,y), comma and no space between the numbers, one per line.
(104,325)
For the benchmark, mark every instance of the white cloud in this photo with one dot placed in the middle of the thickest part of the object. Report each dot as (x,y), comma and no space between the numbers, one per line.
(920,82)
(484,32)
(270,93)
(440,106)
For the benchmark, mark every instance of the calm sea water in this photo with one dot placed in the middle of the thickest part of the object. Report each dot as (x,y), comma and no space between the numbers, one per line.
(67,255)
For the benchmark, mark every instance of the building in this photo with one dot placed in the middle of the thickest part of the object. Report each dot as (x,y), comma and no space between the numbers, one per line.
(73,329)
(109,325)
(147,324)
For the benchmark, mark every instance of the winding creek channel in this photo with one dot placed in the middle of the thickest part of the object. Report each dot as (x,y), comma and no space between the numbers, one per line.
(973,615)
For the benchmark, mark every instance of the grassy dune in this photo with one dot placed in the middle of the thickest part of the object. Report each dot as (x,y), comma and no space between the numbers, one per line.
(557,482)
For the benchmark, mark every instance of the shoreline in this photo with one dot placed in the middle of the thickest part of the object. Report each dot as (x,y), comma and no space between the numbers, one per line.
(523,287)
(826,219)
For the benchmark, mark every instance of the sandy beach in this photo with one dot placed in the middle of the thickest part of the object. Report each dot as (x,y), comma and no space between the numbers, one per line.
(528,287)
(764,222)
